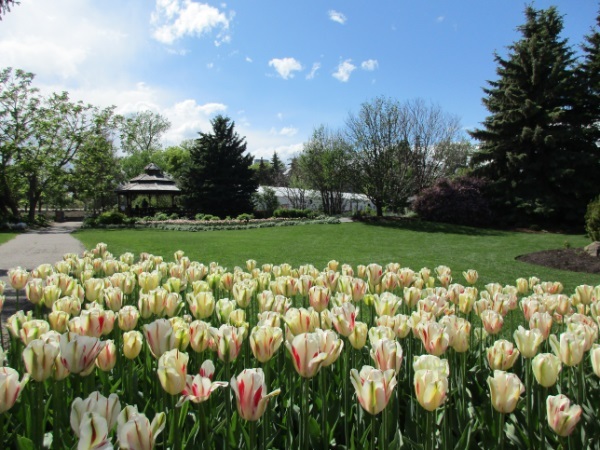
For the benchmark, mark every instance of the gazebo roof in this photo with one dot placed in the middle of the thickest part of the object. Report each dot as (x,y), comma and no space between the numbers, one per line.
(152,181)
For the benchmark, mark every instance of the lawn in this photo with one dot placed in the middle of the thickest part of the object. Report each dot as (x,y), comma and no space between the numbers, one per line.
(5,237)
(414,244)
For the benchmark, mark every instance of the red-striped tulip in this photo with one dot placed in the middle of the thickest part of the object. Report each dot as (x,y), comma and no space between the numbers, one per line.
(33,329)
(108,408)
(318,298)
(502,355)
(107,358)
(265,341)
(93,433)
(373,387)
(562,416)
(301,320)
(113,298)
(159,336)
(344,318)
(201,304)
(505,391)
(228,341)
(307,356)
(10,387)
(199,387)
(250,391)
(434,337)
(331,344)
(39,357)
(128,317)
(199,336)
(78,353)
(17,277)
(387,354)
(492,321)
(34,290)
(137,433)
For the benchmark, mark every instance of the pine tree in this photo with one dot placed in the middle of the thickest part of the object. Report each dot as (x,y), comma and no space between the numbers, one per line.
(277,171)
(219,180)
(530,149)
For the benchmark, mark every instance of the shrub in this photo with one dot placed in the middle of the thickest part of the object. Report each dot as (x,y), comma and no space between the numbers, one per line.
(174,216)
(459,201)
(41,220)
(111,218)
(294,213)
(199,216)
(592,219)
(245,217)
(161,216)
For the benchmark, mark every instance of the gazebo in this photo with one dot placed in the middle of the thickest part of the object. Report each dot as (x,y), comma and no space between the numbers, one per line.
(152,184)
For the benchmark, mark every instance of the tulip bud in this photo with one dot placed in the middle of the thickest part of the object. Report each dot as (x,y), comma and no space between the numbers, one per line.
(17,277)
(307,356)
(265,341)
(387,355)
(358,337)
(107,358)
(569,349)
(562,416)
(172,371)
(373,387)
(502,355)
(471,276)
(431,388)
(132,344)
(39,358)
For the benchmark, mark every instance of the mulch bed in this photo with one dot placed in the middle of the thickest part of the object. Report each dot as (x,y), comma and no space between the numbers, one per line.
(573,259)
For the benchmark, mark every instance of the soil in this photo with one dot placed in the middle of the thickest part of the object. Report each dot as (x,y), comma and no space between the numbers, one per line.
(573,259)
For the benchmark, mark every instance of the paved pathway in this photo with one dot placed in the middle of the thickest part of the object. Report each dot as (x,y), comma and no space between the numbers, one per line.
(33,248)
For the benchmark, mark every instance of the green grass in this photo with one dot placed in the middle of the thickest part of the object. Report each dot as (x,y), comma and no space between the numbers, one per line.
(413,244)
(5,237)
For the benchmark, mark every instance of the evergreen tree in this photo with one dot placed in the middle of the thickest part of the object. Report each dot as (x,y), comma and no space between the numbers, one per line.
(277,171)
(530,148)
(219,180)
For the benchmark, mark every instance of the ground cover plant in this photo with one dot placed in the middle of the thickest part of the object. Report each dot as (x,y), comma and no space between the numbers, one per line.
(5,237)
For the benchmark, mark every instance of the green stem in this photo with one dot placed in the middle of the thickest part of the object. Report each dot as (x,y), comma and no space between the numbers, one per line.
(580,385)
(372,432)
(345,375)
(227,406)
(57,407)
(384,439)
(528,401)
(501,432)
(324,430)
(253,434)
(304,418)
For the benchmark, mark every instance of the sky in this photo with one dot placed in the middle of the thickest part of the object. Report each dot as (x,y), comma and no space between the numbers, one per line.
(277,68)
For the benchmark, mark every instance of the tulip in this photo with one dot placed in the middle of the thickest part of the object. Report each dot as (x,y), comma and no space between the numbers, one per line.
(34,290)
(502,355)
(172,371)
(387,354)
(199,387)
(243,292)
(307,356)
(10,387)
(301,320)
(15,322)
(128,317)
(132,344)
(113,298)
(373,387)
(492,321)
(59,321)
(237,318)
(228,341)
(412,295)
(374,274)
(93,432)
(358,337)
(595,358)
(39,357)
(331,345)
(159,336)
(466,300)
(265,341)
(78,353)
(398,323)
(108,408)
(318,298)
(378,333)
(224,307)
(107,358)
(431,388)
(562,416)
(269,318)
(431,362)
(250,392)
(528,341)
(17,277)
(33,329)
(199,335)
(344,318)
(201,304)
(505,390)
(148,281)
(434,337)
(543,322)
(386,304)
(471,276)
(138,433)
(94,289)
(546,368)
(569,349)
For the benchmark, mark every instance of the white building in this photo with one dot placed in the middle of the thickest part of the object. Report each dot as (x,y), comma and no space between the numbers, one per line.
(295,198)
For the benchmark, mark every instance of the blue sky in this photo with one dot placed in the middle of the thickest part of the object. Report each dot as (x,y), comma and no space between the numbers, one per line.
(278,68)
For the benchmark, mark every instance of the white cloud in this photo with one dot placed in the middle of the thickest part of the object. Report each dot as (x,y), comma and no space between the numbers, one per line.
(248,59)
(440,19)
(344,71)
(175,19)
(316,66)
(337,16)
(288,131)
(285,67)
(188,118)
(369,64)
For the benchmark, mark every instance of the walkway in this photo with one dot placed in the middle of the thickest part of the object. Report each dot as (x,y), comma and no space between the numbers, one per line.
(33,248)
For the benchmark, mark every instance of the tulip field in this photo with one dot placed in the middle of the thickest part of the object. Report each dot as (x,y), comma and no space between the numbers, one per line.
(141,351)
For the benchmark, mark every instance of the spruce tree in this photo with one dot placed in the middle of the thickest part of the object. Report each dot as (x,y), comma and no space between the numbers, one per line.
(219,180)
(277,171)
(529,146)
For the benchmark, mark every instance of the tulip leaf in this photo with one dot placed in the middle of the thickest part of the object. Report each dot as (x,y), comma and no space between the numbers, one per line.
(314,429)
(397,443)
(24,443)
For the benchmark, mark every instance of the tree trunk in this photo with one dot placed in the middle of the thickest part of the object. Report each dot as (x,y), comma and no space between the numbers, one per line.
(379,208)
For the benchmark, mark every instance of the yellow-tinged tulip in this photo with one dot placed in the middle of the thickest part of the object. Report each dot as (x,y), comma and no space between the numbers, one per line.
(569,348)
(374,274)
(462,332)
(243,292)
(301,320)
(502,355)
(378,333)
(59,321)
(386,304)
(344,318)
(34,290)
(528,341)
(467,299)
(33,329)
(10,387)
(148,281)
(492,321)
(431,362)
(108,408)
(398,323)
(471,276)
(250,390)
(228,341)
(107,358)
(137,433)
(265,341)
(224,307)
(128,317)
(307,356)
(15,322)
(132,344)
(431,388)
(17,277)
(172,371)
(595,358)
(562,416)
(546,368)
(237,318)
(269,318)
(39,358)
(505,391)
(331,345)
(412,295)
(543,322)
(358,337)
(78,353)
(373,387)
(94,289)
(113,298)
(387,354)
(199,335)
(93,433)
(201,304)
